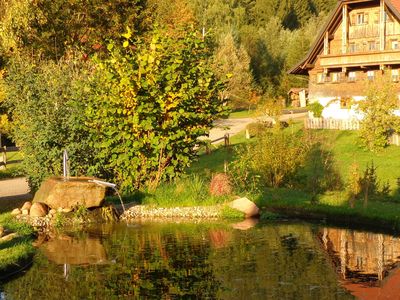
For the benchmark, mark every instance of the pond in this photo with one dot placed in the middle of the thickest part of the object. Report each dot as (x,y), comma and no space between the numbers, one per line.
(153,260)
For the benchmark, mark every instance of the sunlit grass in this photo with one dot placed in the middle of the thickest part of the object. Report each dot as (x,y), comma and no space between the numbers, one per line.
(17,249)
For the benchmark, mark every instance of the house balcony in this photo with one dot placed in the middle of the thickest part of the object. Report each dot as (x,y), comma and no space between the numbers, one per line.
(363,59)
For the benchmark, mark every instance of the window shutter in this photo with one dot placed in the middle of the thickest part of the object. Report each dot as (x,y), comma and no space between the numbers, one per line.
(366,18)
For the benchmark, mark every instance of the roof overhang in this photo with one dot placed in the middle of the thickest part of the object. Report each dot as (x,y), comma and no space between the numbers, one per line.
(334,20)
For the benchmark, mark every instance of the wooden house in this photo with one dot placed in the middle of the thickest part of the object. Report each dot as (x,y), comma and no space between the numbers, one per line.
(359,42)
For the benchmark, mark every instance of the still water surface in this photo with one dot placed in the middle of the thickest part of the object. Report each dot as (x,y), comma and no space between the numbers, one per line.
(211,261)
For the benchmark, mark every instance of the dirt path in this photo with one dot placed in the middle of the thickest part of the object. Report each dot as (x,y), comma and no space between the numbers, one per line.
(234,126)
(14,187)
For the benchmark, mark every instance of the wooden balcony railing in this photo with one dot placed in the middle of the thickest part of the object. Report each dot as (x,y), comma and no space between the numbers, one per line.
(360,59)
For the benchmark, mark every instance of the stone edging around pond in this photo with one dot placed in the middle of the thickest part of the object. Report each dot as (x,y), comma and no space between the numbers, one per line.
(142,211)
(109,214)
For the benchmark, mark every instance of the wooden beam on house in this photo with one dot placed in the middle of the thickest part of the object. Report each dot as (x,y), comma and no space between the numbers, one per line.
(326,43)
(382,26)
(345,28)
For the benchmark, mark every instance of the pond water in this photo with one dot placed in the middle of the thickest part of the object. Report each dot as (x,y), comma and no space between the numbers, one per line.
(211,261)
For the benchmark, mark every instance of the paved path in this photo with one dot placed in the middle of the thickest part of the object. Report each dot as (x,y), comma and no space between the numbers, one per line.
(234,126)
(16,187)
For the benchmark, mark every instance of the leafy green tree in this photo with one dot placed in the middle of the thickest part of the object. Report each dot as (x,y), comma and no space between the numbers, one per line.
(154,98)
(45,102)
(378,121)
(229,59)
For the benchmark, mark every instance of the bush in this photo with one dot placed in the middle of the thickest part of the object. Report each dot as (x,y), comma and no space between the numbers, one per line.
(379,121)
(45,101)
(220,185)
(154,98)
(316,108)
(273,160)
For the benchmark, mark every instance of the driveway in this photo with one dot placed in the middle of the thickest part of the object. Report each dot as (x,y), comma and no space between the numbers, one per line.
(234,126)
(14,188)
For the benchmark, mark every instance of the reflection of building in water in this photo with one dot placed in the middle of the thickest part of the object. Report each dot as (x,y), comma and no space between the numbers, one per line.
(366,262)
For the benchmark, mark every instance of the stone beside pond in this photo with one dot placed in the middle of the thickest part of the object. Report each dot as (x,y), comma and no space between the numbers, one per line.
(58,192)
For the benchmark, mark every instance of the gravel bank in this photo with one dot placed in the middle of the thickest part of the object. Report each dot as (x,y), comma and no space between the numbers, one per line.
(141,211)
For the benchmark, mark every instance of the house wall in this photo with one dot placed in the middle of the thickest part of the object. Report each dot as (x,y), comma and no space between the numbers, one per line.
(362,54)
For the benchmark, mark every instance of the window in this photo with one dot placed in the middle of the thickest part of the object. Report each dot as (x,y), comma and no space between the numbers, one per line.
(395,44)
(352,76)
(395,75)
(371,45)
(352,47)
(336,77)
(321,77)
(360,19)
(370,75)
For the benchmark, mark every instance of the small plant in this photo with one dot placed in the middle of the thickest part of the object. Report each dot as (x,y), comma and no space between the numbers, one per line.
(108,214)
(220,185)
(354,184)
(230,213)
(80,213)
(316,108)
(59,220)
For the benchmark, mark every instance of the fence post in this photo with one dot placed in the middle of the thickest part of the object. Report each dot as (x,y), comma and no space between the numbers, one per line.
(3,157)
(226,139)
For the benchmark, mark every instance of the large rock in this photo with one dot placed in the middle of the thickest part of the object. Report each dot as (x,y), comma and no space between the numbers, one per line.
(246,206)
(38,210)
(59,193)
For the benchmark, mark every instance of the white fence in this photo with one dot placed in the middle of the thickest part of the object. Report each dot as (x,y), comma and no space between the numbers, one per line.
(321,123)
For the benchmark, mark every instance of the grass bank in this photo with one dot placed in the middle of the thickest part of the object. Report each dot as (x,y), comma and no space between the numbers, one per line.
(16,247)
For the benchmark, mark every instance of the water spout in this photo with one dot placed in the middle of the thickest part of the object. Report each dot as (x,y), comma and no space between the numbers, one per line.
(65,165)
(110,185)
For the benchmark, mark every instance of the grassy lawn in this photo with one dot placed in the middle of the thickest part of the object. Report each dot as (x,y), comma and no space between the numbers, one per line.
(240,114)
(13,165)
(15,252)
(347,150)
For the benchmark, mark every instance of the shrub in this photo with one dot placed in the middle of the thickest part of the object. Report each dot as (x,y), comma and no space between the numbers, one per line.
(154,98)
(274,159)
(45,101)
(379,121)
(220,185)
(354,183)
(316,108)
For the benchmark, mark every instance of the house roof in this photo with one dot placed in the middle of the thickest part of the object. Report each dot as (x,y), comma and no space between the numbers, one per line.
(333,22)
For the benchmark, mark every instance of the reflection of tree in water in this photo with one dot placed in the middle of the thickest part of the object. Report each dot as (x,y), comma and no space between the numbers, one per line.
(159,265)
(147,263)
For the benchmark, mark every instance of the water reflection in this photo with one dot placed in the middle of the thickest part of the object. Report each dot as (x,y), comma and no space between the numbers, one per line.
(175,261)
(366,262)
(73,250)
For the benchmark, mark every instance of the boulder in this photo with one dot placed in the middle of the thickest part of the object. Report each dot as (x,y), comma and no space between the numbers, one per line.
(27,205)
(15,212)
(25,212)
(38,210)
(58,192)
(246,206)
